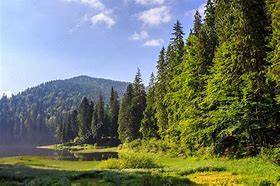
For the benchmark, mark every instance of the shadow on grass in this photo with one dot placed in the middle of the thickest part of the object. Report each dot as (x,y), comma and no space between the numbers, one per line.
(24,175)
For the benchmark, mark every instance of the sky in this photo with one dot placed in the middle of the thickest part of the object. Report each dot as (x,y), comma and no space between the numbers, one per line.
(43,40)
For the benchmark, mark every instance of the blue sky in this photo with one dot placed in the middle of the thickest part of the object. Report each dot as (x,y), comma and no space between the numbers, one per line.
(43,40)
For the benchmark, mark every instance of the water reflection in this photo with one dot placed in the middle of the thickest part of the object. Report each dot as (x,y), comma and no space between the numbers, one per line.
(9,151)
(96,156)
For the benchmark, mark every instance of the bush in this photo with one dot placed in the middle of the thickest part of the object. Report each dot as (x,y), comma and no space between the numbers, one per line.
(111,164)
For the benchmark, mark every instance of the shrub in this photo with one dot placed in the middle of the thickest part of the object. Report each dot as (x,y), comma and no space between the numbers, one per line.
(111,164)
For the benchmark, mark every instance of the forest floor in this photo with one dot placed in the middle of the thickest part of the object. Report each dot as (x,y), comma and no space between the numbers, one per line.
(34,170)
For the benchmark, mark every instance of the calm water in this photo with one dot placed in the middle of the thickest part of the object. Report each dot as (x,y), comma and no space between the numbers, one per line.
(9,151)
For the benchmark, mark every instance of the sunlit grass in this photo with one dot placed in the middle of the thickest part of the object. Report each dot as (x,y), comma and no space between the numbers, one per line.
(45,162)
(251,171)
(130,160)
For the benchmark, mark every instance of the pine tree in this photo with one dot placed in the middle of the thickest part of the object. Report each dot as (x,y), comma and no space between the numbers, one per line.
(84,119)
(99,126)
(132,108)
(197,24)
(113,112)
(177,44)
(149,128)
(126,115)
(274,55)
(161,90)
(209,29)
(174,58)
(190,84)
(238,98)
(138,105)
(94,126)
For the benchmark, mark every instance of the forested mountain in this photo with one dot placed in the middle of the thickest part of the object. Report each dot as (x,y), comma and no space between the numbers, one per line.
(32,116)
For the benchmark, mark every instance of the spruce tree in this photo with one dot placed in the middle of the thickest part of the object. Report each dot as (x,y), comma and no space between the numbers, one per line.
(161,90)
(149,128)
(84,119)
(174,58)
(138,105)
(238,98)
(274,55)
(126,115)
(113,113)
(99,126)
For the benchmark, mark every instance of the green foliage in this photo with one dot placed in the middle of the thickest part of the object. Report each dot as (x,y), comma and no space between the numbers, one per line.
(130,160)
(149,127)
(114,112)
(125,114)
(160,91)
(274,56)
(132,108)
(272,154)
(84,120)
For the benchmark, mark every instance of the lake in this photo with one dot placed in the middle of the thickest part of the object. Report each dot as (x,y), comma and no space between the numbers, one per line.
(9,151)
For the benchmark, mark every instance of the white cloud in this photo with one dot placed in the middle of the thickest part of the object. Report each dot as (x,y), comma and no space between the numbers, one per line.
(150,2)
(154,43)
(97,4)
(137,36)
(103,17)
(155,16)
(200,9)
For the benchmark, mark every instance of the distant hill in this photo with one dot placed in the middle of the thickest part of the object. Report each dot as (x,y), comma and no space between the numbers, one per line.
(69,92)
(31,115)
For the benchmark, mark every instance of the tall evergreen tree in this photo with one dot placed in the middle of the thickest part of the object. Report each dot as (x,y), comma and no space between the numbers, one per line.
(132,108)
(113,113)
(274,55)
(149,127)
(238,98)
(190,84)
(84,119)
(138,105)
(126,115)
(161,90)
(197,24)
(99,126)
(174,58)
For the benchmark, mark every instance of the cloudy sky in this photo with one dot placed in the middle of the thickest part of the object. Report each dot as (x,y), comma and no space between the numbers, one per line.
(42,40)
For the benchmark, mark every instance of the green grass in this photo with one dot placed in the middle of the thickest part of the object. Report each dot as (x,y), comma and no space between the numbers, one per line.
(130,160)
(46,163)
(251,171)
(139,169)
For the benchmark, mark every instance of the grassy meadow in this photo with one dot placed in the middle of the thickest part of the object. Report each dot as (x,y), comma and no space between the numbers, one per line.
(137,168)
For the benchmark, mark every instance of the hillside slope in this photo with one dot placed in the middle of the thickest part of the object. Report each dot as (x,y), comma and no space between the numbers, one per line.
(32,115)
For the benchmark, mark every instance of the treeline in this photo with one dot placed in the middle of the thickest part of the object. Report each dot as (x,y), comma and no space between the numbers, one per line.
(219,88)
(34,115)
(92,123)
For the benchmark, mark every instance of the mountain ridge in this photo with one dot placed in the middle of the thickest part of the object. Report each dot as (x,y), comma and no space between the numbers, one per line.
(37,111)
